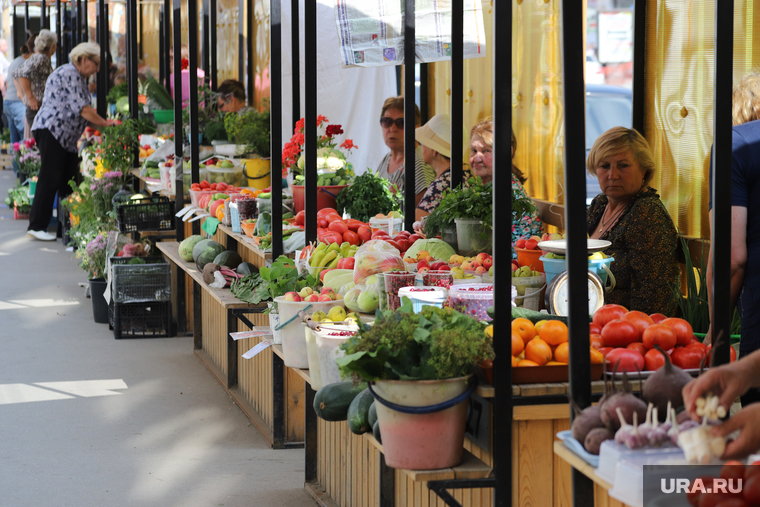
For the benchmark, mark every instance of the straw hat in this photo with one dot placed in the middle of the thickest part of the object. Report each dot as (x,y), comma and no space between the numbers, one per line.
(436,134)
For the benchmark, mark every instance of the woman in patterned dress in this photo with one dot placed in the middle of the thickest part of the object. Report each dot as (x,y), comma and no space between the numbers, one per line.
(33,74)
(435,139)
(629,214)
(60,121)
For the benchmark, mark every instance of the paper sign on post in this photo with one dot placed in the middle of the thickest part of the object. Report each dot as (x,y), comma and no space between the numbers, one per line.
(258,348)
(251,334)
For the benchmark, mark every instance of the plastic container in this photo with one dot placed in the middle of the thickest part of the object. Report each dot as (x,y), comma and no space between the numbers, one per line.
(151,319)
(531,287)
(629,474)
(553,267)
(148,214)
(390,225)
(312,353)
(383,299)
(231,175)
(473,299)
(443,279)
(469,281)
(394,281)
(325,196)
(472,237)
(228,149)
(329,340)
(533,258)
(274,320)
(163,115)
(424,296)
(450,237)
(265,205)
(293,343)
(168,177)
(611,453)
(151,281)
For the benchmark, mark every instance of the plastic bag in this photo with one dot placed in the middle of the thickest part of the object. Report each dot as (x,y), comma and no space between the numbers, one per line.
(376,256)
(163,152)
(363,298)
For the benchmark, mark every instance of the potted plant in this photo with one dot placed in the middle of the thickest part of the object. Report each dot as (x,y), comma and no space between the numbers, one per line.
(251,135)
(333,170)
(93,260)
(367,196)
(420,368)
(19,201)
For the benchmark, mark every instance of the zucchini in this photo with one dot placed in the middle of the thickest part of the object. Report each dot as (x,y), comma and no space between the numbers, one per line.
(358,413)
(536,316)
(376,432)
(332,401)
(372,415)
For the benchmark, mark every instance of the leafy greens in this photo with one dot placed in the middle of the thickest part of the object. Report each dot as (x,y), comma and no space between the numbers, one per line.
(367,196)
(271,282)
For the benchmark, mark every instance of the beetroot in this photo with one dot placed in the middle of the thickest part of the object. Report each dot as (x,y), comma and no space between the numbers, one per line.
(665,385)
(626,401)
(594,439)
(585,420)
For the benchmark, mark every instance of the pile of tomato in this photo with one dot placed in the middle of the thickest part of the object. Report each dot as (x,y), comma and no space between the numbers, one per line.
(630,338)
(221,187)
(740,489)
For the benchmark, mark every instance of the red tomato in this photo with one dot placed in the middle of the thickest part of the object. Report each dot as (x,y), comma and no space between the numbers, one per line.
(348,263)
(332,217)
(365,233)
(619,333)
(708,353)
(214,186)
(402,243)
(380,232)
(732,501)
(687,357)
(596,341)
(752,469)
(732,469)
(653,360)
(351,237)
(630,360)
(657,317)
(222,186)
(412,238)
(606,350)
(639,319)
(607,313)
(697,345)
(354,225)
(393,243)
(638,347)
(205,184)
(683,330)
(331,237)
(659,334)
(338,226)
(751,489)
(301,218)
(321,222)
(325,211)
(594,328)
(715,499)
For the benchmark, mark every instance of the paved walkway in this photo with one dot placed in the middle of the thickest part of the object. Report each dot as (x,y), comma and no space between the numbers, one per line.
(86,420)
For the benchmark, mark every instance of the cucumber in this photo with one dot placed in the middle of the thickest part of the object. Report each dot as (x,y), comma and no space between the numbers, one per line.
(358,412)
(372,415)
(376,432)
(332,401)
(536,316)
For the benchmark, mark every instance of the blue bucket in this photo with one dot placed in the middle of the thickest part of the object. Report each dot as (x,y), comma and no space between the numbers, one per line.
(553,267)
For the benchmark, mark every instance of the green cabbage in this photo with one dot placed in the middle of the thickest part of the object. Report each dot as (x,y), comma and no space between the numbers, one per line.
(439,249)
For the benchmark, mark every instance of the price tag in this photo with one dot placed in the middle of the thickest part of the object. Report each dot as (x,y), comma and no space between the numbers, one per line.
(258,348)
(251,334)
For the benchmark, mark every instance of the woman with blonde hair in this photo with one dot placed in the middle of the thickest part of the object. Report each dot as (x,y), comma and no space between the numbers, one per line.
(630,215)
(60,121)
(33,74)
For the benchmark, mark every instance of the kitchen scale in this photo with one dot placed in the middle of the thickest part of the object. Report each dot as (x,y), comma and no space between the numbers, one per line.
(558,291)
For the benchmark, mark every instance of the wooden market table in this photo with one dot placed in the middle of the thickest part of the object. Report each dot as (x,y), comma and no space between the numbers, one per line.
(601,487)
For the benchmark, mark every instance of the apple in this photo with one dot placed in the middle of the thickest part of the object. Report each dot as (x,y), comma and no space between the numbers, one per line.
(437,265)
(380,234)
(465,266)
(429,258)
(325,297)
(480,270)
(474,263)
(410,260)
(305,292)
(482,256)
(537,238)
(445,267)
(531,244)
(422,254)
(520,243)
(422,264)
(312,299)
(515,267)
(554,236)
(326,290)
(293,296)
(488,263)
(412,238)
(423,270)
(348,263)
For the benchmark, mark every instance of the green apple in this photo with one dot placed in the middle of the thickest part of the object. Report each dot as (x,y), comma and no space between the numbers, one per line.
(367,301)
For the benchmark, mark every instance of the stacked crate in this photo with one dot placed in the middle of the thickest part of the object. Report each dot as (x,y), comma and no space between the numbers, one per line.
(140,298)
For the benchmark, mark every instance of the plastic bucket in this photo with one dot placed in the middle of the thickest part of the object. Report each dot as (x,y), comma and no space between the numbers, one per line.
(163,115)
(422,422)
(315,372)
(424,296)
(325,196)
(258,172)
(393,283)
(553,267)
(531,258)
(472,237)
(472,300)
(529,291)
(99,304)
(274,320)
(450,237)
(328,349)
(293,342)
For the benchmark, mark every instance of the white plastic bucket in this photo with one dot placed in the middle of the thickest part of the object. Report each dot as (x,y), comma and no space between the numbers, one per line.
(274,320)
(315,372)
(424,296)
(293,342)
(328,348)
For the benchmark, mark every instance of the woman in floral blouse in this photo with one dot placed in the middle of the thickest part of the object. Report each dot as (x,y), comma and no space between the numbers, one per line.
(435,139)
(60,121)
(481,164)
(33,75)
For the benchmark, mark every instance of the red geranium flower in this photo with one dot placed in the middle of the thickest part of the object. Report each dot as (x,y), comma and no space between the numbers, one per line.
(348,144)
(333,130)
(185,63)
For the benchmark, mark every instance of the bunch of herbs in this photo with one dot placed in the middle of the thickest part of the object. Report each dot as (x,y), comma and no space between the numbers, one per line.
(473,200)
(250,129)
(367,196)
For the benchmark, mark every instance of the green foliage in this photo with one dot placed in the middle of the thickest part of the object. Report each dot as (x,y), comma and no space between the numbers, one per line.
(214,131)
(473,200)
(117,92)
(271,282)
(208,108)
(156,95)
(5,136)
(119,145)
(251,129)
(437,343)
(18,197)
(367,196)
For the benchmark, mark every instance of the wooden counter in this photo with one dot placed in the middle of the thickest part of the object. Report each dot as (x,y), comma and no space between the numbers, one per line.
(601,498)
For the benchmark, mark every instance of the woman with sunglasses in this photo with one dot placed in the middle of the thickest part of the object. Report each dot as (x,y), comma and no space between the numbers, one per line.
(392,165)
(60,121)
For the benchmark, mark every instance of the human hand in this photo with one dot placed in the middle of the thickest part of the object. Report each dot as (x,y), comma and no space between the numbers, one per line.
(32,103)
(728,382)
(748,441)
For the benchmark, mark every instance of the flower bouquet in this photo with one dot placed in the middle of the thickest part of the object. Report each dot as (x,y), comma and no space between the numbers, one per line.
(93,257)
(27,157)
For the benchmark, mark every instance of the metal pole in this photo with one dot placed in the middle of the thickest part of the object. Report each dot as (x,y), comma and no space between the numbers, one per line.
(102,31)
(59,31)
(192,39)
(275,109)
(241,41)
(721,164)
(131,7)
(205,46)
(213,58)
(162,49)
(179,181)
(310,119)
(167,35)
(574,93)
(639,64)
(457,71)
(502,248)
(249,55)
(409,165)
(27,28)
(43,15)
(424,94)
(295,55)
(140,17)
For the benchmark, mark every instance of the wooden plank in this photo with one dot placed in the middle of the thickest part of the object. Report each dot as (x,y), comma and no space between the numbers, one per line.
(576,462)
(304,374)
(277,349)
(563,485)
(319,496)
(295,415)
(536,461)
(540,412)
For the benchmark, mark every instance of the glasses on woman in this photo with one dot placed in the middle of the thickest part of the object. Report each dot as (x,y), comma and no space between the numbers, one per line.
(386,122)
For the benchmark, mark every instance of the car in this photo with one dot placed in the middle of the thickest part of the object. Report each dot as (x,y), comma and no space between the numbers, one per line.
(606,107)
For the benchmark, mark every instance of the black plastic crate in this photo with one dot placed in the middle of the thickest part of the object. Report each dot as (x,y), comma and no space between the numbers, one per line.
(142,320)
(151,281)
(149,214)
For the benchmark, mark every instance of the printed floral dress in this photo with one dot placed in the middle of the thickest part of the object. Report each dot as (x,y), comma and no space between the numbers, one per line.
(526,225)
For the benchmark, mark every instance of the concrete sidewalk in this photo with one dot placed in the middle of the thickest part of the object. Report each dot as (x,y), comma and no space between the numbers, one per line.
(86,420)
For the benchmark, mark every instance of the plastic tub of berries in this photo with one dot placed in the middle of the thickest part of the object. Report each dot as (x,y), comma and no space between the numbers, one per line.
(329,339)
(424,296)
(472,300)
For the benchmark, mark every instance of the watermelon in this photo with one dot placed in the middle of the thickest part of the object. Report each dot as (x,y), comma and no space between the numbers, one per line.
(205,252)
(246,268)
(187,245)
(228,258)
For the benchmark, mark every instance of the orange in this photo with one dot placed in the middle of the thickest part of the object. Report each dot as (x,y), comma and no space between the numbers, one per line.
(538,351)
(555,363)
(525,362)
(596,356)
(554,332)
(562,353)
(220,213)
(514,361)
(524,329)
(246,191)
(517,345)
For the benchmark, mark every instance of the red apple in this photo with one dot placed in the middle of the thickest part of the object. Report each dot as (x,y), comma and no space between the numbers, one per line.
(412,238)
(422,264)
(488,263)
(515,267)
(531,244)
(437,265)
(312,299)
(293,296)
(520,243)
(326,290)
(325,297)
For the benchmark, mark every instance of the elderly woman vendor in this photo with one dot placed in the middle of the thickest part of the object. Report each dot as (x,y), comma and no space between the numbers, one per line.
(630,215)
(64,114)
